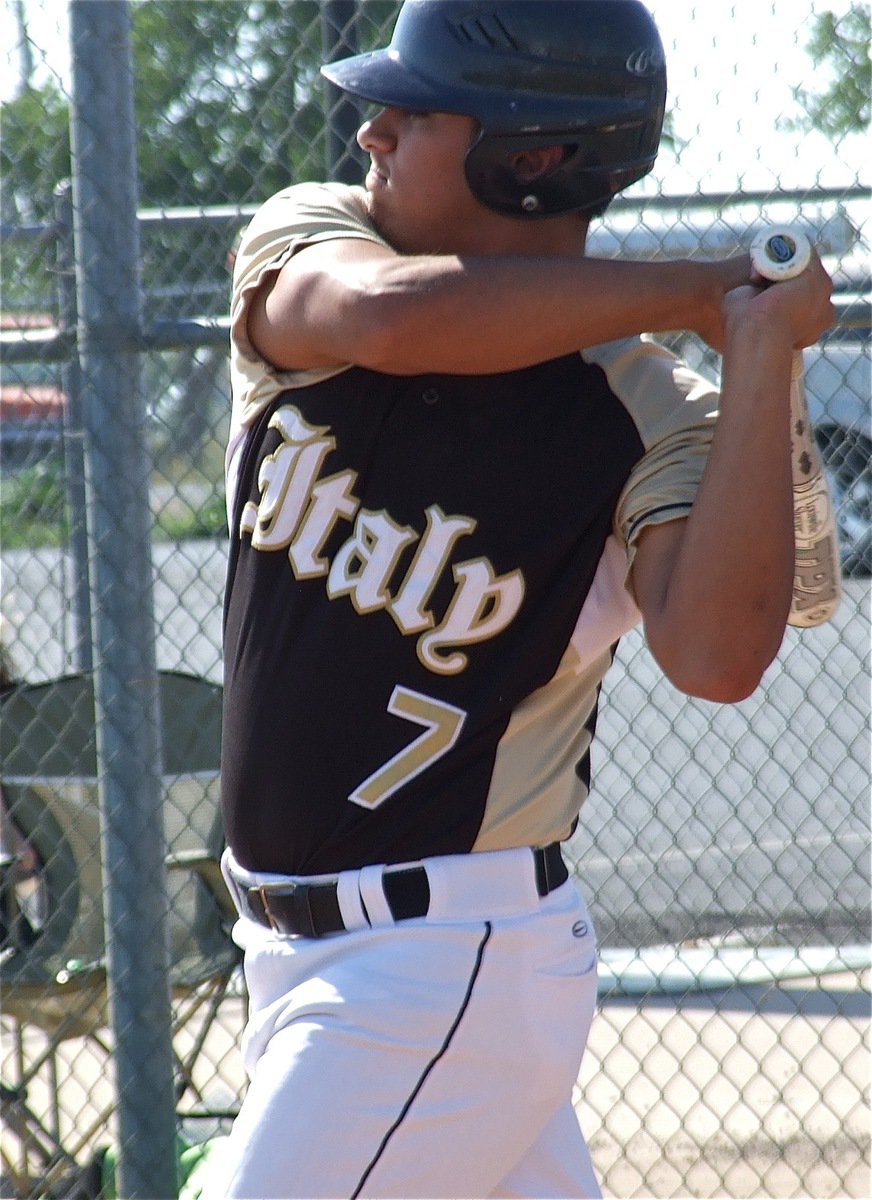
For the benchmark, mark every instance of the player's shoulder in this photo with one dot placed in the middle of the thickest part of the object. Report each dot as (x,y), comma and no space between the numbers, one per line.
(303,213)
(656,387)
(321,197)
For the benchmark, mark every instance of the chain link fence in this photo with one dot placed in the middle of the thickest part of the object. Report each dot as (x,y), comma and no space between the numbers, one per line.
(725,849)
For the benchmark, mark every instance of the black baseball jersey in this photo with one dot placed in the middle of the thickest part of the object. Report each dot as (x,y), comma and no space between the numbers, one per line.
(427,580)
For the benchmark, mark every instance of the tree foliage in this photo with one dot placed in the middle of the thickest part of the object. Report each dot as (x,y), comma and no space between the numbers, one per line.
(229,104)
(229,107)
(842,45)
(34,152)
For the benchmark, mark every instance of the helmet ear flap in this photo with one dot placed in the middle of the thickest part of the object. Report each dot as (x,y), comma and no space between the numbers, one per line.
(493,179)
(490,177)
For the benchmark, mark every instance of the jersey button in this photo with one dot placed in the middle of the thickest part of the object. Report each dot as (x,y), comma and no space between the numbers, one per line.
(430,395)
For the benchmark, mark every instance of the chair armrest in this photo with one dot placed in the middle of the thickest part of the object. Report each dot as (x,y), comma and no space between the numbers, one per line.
(207,867)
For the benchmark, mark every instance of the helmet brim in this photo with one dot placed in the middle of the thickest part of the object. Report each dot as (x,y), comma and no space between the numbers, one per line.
(382,78)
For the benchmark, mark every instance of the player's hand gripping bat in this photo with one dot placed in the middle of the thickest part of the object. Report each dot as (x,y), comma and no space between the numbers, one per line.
(779,253)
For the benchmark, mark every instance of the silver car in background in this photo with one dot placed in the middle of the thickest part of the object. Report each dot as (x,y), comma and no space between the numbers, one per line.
(838,380)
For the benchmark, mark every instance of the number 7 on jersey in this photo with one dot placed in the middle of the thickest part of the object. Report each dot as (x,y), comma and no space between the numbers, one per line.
(442,725)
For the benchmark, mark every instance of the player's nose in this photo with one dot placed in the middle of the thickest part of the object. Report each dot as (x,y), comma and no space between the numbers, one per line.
(378,133)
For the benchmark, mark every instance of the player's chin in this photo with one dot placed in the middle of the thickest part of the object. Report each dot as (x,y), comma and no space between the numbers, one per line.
(399,233)
(409,229)
(379,215)
(375,181)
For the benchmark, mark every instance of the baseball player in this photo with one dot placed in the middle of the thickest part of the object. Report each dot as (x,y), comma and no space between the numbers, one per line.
(457,475)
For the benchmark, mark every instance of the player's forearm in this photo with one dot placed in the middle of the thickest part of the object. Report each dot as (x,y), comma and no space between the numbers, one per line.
(350,302)
(484,315)
(727,595)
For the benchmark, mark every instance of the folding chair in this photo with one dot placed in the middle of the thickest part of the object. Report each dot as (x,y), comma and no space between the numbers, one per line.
(52,965)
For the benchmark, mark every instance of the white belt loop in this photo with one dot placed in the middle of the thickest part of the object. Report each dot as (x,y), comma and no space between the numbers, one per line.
(373,896)
(227,865)
(348,895)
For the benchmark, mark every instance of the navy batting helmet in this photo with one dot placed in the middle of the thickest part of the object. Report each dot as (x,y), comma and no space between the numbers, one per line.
(585,74)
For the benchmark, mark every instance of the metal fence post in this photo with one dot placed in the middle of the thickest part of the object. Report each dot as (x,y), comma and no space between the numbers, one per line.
(74,448)
(339,38)
(128,739)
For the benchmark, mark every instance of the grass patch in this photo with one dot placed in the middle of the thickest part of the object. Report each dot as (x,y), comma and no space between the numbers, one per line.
(182,523)
(33,512)
(33,508)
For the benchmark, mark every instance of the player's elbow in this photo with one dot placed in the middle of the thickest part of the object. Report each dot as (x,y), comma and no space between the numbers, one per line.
(716,653)
(726,688)
(312,318)
(722,674)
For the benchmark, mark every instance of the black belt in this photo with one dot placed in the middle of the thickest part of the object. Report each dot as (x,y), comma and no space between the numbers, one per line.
(312,909)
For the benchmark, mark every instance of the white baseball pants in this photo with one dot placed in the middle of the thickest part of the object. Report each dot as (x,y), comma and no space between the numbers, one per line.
(433,1057)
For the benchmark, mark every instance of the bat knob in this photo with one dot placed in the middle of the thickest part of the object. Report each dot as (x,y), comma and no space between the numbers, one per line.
(780,252)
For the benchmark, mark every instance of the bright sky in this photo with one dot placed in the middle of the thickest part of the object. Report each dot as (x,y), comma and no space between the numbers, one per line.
(732,68)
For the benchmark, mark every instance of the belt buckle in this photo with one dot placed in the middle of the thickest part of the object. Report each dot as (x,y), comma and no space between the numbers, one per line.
(301,916)
(262,893)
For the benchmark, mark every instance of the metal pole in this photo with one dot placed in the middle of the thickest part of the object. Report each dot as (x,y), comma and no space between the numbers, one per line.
(119,536)
(74,449)
(346,162)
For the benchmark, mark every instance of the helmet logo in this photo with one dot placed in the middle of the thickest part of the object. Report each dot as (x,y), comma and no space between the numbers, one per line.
(647,61)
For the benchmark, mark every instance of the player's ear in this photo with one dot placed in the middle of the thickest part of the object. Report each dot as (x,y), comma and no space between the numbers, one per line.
(530,165)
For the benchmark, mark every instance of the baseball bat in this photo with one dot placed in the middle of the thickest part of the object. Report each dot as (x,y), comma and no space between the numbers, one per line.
(779,253)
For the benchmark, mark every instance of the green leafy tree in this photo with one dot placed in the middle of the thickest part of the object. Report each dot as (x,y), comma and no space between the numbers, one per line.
(227,104)
(229,107)
(842,45)
(34,152)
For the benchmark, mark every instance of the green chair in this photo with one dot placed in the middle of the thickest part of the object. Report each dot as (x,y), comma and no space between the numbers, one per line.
(52,959)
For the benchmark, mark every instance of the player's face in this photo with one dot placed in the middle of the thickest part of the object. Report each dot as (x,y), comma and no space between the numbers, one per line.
(418,195)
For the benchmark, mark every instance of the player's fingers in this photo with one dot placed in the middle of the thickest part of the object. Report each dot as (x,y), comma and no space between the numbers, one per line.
(816,289)
(805,300)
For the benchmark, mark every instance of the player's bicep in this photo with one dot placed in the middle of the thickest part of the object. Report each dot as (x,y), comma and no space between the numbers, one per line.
(310,313)
(653,564)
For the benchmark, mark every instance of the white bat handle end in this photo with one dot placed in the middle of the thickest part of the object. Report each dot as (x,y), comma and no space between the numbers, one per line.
(780,252)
